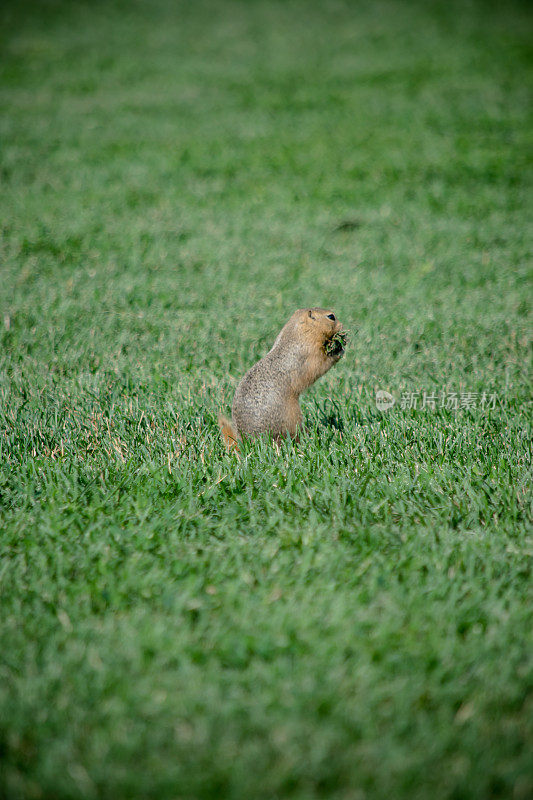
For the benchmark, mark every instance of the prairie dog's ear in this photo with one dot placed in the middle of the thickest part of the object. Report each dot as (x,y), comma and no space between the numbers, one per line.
(311,314)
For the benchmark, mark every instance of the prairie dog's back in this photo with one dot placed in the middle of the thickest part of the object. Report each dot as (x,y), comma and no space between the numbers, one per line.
(264,394)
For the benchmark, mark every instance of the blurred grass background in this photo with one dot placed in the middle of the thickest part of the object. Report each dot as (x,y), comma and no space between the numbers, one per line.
(351,617)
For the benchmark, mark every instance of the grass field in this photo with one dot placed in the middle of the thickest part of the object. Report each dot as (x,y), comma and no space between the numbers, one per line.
(350,617)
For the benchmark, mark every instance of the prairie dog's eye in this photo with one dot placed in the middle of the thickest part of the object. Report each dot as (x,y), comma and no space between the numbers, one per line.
(331,316)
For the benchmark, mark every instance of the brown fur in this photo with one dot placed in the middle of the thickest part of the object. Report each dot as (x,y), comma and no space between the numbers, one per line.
(229,434)
(267,398)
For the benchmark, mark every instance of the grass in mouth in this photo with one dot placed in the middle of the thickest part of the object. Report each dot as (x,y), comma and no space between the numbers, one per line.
(337,343)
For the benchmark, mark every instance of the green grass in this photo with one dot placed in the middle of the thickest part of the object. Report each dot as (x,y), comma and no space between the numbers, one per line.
(349,617)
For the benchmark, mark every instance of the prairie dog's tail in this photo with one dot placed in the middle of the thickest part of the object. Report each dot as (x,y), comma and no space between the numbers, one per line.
(229,433)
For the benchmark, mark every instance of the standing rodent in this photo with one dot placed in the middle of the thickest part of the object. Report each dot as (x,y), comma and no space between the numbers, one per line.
(267,398)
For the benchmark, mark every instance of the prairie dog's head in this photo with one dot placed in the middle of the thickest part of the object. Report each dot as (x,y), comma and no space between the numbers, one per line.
(321,319)
(317,327)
